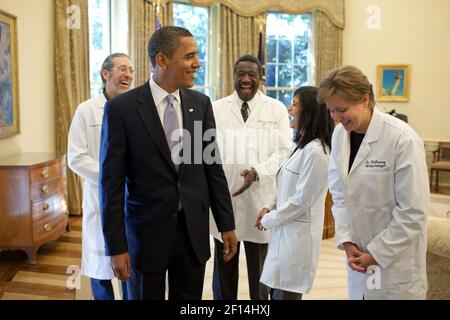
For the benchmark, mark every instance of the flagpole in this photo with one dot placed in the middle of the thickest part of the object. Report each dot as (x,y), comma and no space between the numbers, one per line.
(261,21)
(158,18)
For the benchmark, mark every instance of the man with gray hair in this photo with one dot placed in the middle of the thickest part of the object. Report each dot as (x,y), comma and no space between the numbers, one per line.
(83,154)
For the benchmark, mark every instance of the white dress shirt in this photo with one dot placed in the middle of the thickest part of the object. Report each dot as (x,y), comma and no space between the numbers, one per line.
(160,98)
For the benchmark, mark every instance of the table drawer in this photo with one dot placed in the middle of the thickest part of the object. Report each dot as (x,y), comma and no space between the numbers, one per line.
(43,174)
(49,206)
(42,191)
(49,226)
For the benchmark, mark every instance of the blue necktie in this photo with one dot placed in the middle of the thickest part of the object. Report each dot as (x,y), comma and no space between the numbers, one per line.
(170,125)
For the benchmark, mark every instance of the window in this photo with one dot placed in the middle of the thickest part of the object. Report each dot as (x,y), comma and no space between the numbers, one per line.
(105,18)
(289,62)
(288,54)
(196,20)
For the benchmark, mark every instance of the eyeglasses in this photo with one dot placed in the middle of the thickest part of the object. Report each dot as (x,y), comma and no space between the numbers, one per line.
(124,69)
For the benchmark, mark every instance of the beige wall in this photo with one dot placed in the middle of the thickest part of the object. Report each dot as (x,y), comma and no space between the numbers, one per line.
(36,77)
(412,32)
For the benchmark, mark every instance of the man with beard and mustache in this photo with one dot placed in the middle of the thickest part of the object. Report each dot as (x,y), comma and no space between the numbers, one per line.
(83,154)
(255,135)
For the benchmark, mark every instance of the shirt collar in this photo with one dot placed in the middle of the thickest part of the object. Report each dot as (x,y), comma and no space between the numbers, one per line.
(251,103)
(159,94)
(105,94)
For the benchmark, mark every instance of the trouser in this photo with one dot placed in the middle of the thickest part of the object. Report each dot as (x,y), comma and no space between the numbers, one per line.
(278,294)
(226,274)
(134,285)
(103,289)
(186,274)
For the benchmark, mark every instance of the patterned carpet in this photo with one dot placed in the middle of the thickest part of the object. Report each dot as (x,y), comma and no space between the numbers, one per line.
(330,282)
(47,280)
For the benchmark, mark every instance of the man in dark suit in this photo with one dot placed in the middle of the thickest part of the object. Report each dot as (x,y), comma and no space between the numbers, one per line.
(155,199)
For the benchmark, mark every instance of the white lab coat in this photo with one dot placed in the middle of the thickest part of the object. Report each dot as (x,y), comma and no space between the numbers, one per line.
(263,143)
(296,222)
(381,206)
(82,154)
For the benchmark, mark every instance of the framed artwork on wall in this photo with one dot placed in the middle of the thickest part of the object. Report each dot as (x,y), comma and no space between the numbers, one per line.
(9,82)
(393,82)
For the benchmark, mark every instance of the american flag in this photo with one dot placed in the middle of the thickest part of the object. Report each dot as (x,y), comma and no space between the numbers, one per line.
(157,22)
(261,57)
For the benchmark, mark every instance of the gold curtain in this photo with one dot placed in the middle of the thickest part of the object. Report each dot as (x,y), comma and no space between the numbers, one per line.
(71,51)
(334,9)
(142,21)
(328,41)
(238,35)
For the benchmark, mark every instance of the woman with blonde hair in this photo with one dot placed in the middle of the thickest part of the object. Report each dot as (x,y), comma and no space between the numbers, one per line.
(379,182)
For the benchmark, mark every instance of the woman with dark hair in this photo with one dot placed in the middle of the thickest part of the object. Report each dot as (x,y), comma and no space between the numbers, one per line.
(295,217)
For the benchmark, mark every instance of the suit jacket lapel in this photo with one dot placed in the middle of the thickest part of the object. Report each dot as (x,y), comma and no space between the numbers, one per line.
(188,111)
(372,134)
(362,154)
(257,104)
(149,115)
(236,107)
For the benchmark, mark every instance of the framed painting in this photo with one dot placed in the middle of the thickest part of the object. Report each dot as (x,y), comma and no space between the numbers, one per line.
(9,82)
(393,82)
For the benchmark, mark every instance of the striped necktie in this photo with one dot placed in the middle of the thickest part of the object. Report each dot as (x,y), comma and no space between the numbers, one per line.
(244,111)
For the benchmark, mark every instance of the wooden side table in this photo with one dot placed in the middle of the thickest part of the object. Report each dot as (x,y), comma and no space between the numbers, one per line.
(33,201)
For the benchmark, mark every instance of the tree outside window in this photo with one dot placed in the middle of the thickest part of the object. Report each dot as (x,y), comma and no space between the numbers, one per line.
(108,32)
(196,20)
(99,37)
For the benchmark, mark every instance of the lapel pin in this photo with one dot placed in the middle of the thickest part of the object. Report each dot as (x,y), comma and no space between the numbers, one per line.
(191,109)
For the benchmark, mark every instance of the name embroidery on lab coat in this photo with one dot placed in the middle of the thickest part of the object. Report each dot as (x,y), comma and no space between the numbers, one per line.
(375,164)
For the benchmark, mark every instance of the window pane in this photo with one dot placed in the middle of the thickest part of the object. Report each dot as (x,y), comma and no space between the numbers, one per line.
(301,51)
(270,75)
(202,44)
(272,93)
(285,50)
(285,97)
(201,75)
(288,52)
(271,49)
(301,76)
(195,19)
(284,76)
(99,36)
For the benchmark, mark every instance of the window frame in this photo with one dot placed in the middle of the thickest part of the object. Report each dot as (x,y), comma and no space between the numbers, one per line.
(210,54)
(117,24)
(293,65)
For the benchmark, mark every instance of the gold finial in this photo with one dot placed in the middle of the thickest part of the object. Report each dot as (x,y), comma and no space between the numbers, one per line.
(157,4)
(261,21)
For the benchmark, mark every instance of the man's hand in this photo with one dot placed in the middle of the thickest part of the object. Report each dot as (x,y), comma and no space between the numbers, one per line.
(261,214)
(121,265)
(249,177)
(365,260)
(229,245)
(353,253)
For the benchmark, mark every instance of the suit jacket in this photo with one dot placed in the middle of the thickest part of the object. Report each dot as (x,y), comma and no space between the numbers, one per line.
(140,188)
